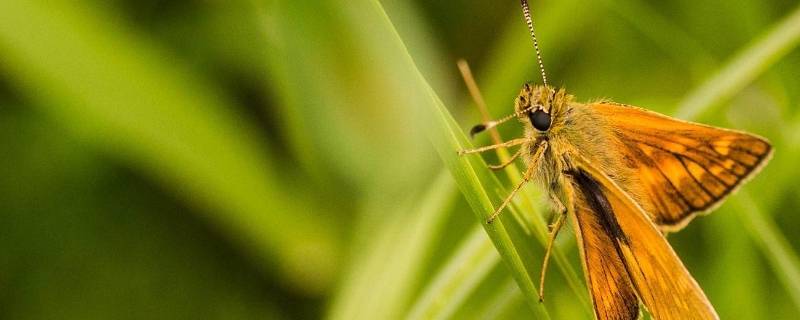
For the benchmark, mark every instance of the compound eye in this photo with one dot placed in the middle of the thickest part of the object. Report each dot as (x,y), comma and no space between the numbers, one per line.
(540,120)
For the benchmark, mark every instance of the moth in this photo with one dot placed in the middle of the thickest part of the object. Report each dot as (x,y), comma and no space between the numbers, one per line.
(626,176)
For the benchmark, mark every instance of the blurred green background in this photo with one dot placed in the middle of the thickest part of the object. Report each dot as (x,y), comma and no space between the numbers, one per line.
(273,159)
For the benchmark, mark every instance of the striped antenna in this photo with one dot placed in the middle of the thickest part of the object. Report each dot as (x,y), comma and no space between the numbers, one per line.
(527,12)
(493,123)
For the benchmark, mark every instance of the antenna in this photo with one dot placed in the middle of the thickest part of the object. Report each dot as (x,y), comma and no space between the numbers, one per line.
(527,12)
(493,123)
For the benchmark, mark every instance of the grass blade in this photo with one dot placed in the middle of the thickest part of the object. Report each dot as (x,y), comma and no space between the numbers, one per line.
(772,242)
(505,232)
(533,223)
(743,68)
(380,285)
(470,264)
(124,96)
(447,138)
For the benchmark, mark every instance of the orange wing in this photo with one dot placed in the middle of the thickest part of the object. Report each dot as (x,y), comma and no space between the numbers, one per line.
(684,168)
(658,277)
(613,294)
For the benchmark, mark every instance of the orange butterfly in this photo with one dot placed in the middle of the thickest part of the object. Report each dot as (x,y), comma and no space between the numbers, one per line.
(625,176)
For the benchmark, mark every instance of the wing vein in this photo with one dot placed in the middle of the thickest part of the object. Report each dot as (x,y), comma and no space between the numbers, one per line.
(704,152)
(710,195)
(712,159)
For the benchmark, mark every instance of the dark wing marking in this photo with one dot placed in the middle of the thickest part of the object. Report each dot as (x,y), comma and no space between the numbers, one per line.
(613,294)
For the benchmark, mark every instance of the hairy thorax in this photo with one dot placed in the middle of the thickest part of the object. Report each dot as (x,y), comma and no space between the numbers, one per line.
(576,131)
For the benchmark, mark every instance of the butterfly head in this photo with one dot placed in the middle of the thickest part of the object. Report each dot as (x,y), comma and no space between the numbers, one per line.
(540,106)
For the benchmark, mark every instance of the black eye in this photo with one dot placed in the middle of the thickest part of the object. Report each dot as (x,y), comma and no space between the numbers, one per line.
(540,120)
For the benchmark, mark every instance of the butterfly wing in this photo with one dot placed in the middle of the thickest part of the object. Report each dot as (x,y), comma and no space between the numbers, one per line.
(658,277)
(684,168)
(613,294)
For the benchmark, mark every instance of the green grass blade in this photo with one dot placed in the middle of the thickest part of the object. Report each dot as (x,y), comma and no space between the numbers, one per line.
(506,72)
(123,95)
(532,224)
(470,264)
(382,282)
(743,68)
(346,109)
(447,138)
(470,175)
(537,227)
(772,242)
(667,35)
(506,299)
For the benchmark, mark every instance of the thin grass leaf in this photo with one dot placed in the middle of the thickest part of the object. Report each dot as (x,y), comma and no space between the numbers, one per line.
(672,39)
(505,300)
(773,243)
(470,264)
(505,232)
(447,138)
(341,101)
(123,95)
(533,224)
(381,283)
(506,73)
(743,68)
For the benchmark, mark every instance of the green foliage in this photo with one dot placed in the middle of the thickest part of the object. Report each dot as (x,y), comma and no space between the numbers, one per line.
(283,159)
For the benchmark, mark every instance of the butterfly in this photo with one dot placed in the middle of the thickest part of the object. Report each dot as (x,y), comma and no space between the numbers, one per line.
(626,176)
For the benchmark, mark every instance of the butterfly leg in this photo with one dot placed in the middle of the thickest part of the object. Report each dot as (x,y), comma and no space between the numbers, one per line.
(559,210)
(554,228)
(508,162)
(562,211)
(509,143)
(537,155)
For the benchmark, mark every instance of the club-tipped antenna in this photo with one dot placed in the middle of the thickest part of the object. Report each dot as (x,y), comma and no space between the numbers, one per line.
(491,124)
(527,12)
